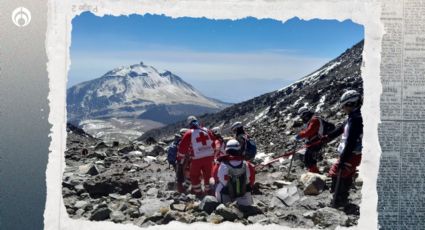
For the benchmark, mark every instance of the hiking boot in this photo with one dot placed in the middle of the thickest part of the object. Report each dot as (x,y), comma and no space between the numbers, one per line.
(339,202)
(181,188)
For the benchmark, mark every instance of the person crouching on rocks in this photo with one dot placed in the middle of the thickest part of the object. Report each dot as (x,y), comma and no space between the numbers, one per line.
(198,144)
(236,176)
(349,149)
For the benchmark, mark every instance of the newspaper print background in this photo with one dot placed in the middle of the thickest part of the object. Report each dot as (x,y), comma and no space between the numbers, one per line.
(401,181)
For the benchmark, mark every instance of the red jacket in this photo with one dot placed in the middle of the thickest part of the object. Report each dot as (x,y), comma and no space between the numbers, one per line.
(221,175)
(312,130)
(204,143)
(219,148)
(234,158)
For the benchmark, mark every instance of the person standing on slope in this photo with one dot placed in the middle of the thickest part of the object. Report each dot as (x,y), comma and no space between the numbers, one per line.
(198,143)
(179,162)
(311,134)
(248,146)
(219,143)
(349,149)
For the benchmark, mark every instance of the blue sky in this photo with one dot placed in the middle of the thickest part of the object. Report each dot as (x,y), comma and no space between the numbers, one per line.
(228,60)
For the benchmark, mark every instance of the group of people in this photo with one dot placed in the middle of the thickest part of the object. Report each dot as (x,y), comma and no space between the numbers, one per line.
(206,164)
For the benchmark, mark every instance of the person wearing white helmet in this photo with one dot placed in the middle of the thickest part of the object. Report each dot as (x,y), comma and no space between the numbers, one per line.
(248,146)
(235,175)
(198,145)
(350,147)
(219,142)
(314,128)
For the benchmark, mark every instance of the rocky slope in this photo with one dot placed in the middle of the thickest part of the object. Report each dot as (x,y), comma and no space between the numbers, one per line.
(132,183)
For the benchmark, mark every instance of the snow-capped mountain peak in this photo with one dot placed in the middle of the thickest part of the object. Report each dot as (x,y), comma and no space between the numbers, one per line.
(134,91)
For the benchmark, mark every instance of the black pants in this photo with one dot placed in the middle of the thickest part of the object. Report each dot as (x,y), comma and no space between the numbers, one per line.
(342,192)
(312,155)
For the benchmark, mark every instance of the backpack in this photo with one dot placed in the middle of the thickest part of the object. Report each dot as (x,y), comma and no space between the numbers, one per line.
(325,127)
(172,153)
(236,185)
(250,148)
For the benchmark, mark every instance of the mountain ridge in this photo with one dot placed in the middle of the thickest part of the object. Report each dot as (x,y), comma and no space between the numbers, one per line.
(339,74)
(133,93)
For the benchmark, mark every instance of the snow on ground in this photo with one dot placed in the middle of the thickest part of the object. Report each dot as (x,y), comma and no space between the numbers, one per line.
(313,76)
(321,103)
(261,115)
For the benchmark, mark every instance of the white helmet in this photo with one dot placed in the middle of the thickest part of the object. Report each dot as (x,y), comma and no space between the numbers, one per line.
(236,125)
(233,144)
(216,131)
(191,119)
(351,96)
(303,110)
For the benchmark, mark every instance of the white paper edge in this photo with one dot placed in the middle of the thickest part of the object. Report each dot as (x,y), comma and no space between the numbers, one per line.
(60,14)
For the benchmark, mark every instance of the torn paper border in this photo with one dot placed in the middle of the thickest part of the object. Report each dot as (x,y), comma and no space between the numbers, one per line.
(61,13)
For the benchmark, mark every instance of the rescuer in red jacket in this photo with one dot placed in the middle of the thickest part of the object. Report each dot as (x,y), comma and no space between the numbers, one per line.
(312,135)
(198,143)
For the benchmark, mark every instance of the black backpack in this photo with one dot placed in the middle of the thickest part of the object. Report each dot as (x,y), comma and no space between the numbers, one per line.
(236,185)
(327,127)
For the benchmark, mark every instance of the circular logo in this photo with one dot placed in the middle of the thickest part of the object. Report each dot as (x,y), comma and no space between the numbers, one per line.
(21,17)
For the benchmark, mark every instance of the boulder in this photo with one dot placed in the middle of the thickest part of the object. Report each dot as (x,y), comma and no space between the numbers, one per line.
(281,183)
(135,153)
(136,193)
(327,217)
(150,141)
(117,216)
(258,219)
(287,196)
(149,206)
(98,154)
(250,210)
(230,213)
(178,207)
(101,186)
(100,214)
(149,159)
(154,150)
(90,169)
(313,183)
(209,204)
(82,204)
(101,147)
(152,192)
(215,219)
(126,149)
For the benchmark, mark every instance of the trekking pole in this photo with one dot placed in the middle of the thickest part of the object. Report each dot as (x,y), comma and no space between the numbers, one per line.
(292,159)
(338,181)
